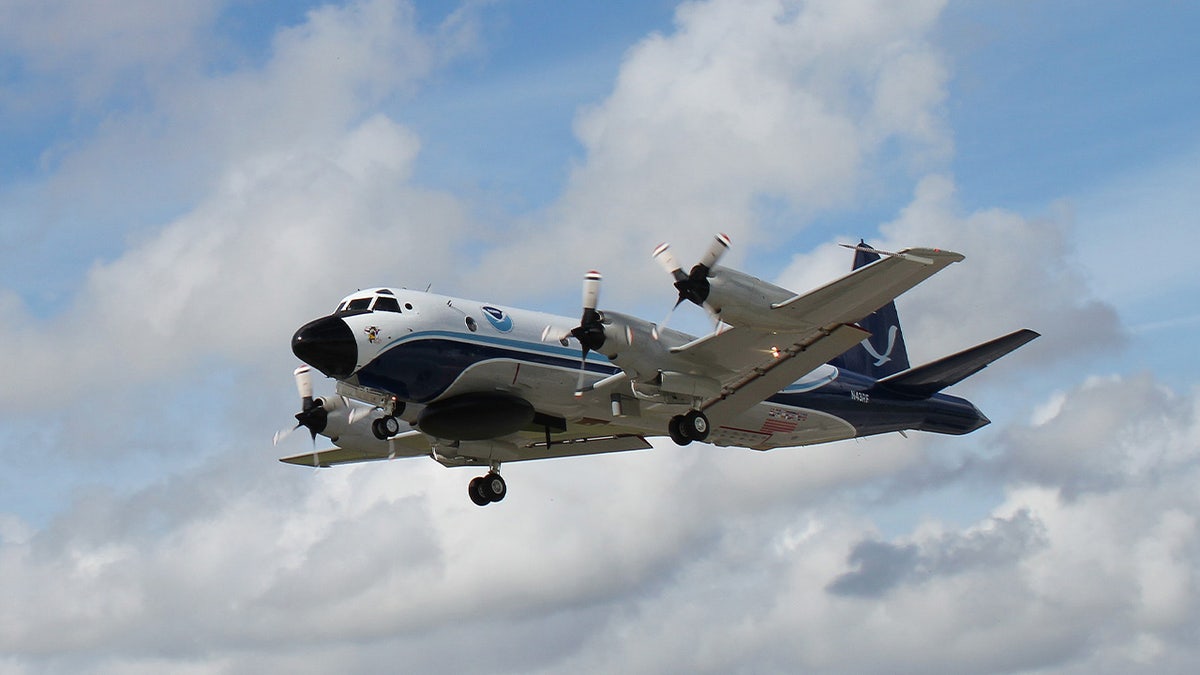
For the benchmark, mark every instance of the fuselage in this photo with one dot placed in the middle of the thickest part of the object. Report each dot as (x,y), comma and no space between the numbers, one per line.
(424,349)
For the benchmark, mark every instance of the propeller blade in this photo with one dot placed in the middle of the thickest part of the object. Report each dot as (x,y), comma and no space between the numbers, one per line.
(356,412)
(582,373)
(284,433)
(304,383)
(718,248)
(654,332)
(591,290)
(664,257)
(554,333)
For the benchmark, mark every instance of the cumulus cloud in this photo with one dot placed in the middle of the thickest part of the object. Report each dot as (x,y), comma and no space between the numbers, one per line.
(1019,272)
(309,194)
(95,47)
(698,559)
(740,102)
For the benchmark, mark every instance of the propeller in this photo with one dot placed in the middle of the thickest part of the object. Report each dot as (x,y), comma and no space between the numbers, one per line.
(313,414)
(590,331)
(693,286)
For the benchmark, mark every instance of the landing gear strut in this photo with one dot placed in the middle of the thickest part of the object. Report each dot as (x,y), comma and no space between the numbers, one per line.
(487,489)
(687,428)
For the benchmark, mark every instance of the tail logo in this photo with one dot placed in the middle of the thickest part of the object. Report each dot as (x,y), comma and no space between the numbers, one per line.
(886,356)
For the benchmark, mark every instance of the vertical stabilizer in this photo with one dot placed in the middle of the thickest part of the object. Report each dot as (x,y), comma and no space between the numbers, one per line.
(883,354)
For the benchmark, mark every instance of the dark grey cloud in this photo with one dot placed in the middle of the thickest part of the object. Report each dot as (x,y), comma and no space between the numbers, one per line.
(881,566)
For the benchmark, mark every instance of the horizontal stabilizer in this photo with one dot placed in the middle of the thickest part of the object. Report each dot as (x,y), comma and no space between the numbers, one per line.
(925,381)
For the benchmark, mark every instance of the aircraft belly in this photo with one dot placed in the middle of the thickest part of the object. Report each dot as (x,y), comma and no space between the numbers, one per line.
(769,426)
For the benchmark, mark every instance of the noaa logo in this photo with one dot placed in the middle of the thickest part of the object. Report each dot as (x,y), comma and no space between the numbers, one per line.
(499,320)
(882,358)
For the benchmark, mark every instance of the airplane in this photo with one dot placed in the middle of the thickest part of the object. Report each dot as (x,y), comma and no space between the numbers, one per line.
(472,383)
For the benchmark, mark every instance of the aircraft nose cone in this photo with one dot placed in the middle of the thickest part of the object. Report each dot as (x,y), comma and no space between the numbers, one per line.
(328,345)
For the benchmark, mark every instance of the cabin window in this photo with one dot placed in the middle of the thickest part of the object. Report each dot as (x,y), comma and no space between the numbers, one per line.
(471,325)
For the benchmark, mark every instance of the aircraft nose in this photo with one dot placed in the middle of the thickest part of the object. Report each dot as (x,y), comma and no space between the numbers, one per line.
(328,345)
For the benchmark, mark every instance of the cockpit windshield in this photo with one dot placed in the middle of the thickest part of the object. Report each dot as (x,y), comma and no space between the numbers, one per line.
(358,304)
(386,303)
(382,300)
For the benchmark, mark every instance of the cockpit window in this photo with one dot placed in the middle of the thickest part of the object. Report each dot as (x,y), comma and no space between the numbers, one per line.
(358,304)
(387,304)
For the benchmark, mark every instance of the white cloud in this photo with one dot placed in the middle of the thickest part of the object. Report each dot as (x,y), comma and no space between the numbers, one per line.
(1019,272)
(742,101)
(308,195)
(94,47)
(697,559)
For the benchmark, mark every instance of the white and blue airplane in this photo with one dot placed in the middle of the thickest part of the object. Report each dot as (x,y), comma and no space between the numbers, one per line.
(470,383)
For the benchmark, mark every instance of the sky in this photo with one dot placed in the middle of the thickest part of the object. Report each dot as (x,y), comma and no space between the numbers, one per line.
(183,185)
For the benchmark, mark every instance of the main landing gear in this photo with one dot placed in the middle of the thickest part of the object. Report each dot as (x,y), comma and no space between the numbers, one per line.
(487,489)
(687,428)
(385,427)
(389,425)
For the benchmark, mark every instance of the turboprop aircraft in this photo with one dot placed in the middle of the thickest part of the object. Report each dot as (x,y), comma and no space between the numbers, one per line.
(473,383)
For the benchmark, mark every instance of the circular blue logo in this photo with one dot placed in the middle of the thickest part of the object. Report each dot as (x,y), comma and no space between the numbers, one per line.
(499,320)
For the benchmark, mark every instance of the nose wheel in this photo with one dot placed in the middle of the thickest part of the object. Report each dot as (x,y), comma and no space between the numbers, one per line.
(487,489)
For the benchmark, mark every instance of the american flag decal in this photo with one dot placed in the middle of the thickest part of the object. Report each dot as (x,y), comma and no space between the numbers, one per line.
(774,426)
(782,421)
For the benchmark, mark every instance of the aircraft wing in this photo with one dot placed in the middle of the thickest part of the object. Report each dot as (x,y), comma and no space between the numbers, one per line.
(415,440)
(765,362)
(866,289)
(520,447)
(752,364)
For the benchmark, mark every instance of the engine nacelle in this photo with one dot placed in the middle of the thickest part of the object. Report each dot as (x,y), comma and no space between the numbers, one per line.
(740,299)
(631,343)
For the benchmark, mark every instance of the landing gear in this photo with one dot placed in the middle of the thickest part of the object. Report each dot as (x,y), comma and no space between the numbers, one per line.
(385,427)
(487,489)
(687,428)
(675,432)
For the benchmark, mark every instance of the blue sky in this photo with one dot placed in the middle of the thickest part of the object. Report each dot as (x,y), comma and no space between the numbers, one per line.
(182,187)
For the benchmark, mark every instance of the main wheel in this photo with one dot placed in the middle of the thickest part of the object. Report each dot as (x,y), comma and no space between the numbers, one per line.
(385,427)
(494,487)
(475,489)
(675,430)
(695,425)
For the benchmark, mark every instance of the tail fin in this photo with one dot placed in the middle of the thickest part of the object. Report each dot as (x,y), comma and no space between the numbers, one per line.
(883,354)
(925,381)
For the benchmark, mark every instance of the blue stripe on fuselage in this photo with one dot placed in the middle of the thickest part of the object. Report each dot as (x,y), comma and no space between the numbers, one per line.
(421,367)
